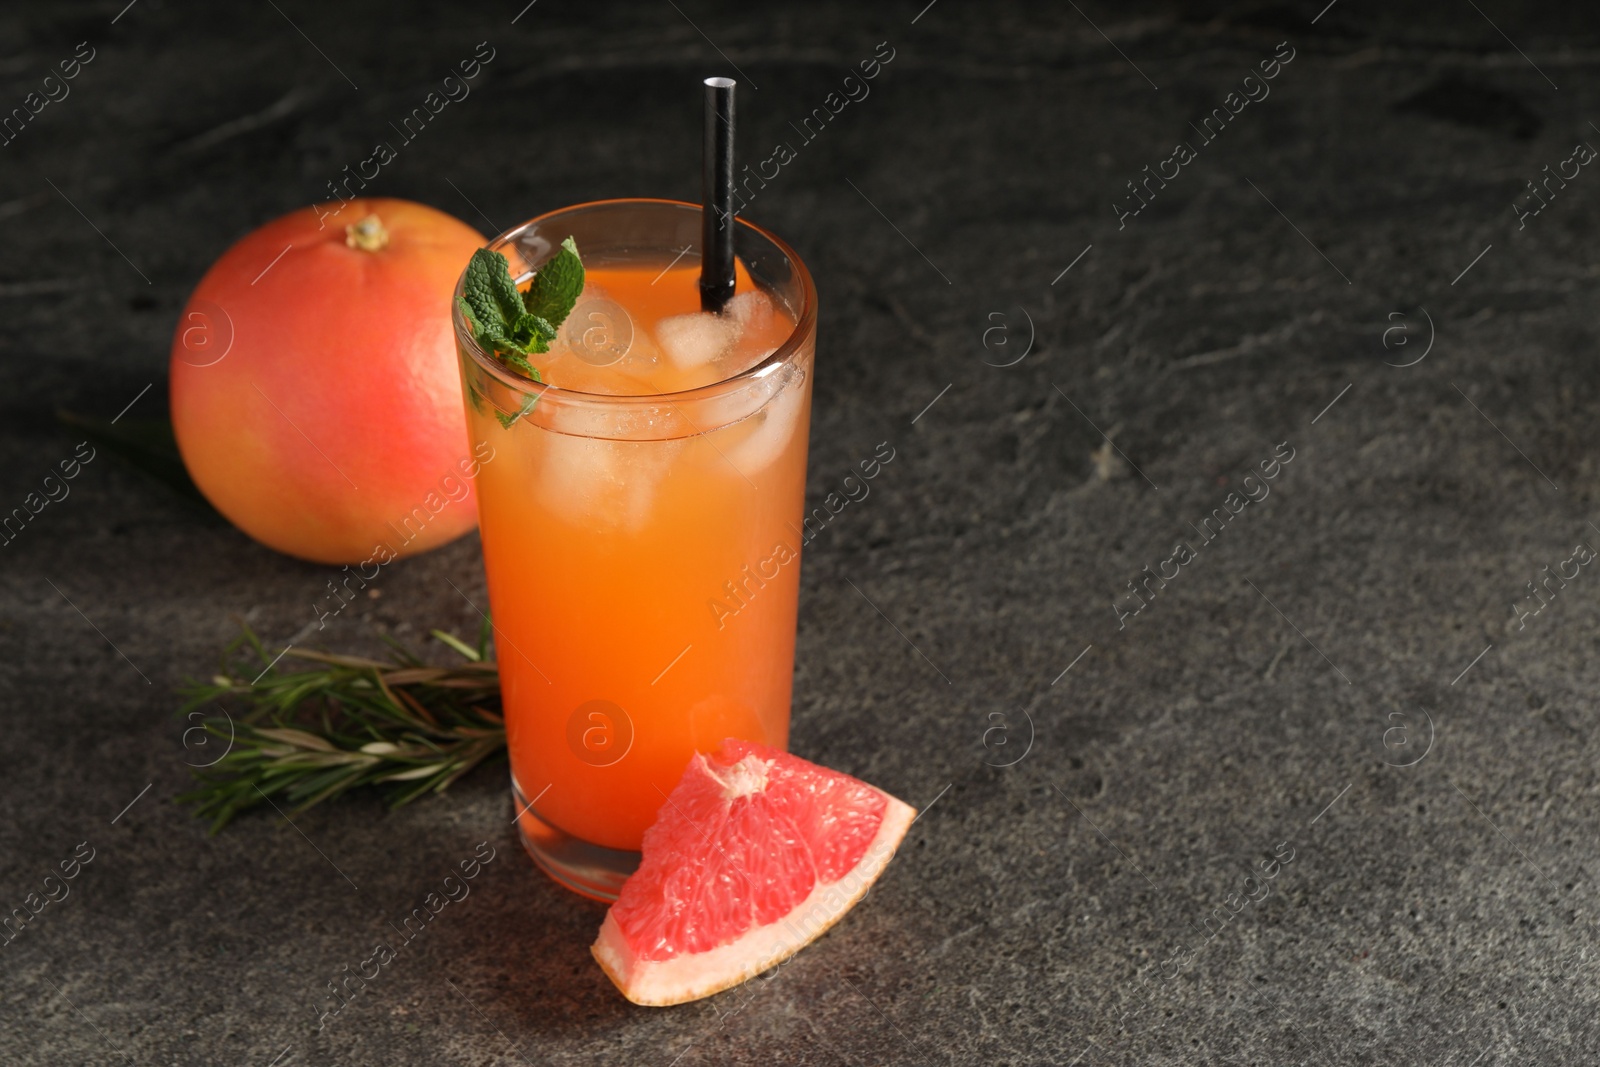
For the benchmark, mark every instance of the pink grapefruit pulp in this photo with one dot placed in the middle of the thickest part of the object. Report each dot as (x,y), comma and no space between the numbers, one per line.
(754,855)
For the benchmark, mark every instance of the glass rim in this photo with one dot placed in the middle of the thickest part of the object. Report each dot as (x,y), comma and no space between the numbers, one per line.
(792,346)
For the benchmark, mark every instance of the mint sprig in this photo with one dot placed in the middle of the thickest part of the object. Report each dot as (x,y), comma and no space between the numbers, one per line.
(515,325)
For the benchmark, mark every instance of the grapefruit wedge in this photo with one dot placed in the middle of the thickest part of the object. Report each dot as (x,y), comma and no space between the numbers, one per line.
(753,856)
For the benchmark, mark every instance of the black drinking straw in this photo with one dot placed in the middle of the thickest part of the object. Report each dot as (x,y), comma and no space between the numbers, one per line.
(716,194)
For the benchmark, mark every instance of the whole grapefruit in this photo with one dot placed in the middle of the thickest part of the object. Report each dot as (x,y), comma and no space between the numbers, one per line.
(315,394)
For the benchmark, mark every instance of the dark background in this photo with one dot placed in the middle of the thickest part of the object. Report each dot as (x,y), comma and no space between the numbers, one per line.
(1439,913)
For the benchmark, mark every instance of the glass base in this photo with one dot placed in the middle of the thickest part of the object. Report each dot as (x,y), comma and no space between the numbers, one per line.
(592,870)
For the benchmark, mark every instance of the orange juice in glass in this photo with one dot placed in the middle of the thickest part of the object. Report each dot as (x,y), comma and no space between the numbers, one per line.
(640,518)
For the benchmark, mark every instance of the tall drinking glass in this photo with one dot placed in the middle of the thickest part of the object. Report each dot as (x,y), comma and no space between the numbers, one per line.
(642,550)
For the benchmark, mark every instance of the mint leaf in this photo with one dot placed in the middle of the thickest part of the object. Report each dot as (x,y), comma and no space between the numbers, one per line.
(556,287)
(493,338)
(533,333)
(487,333)
(490,292)
(508,421)
(520,362)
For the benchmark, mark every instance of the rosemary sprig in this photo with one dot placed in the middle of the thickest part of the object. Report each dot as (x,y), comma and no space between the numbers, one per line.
(313,734)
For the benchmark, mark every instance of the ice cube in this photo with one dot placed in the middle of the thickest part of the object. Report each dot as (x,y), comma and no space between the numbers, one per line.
(576,474)
(696,340)
(602,484)
(752,311)
(777,424)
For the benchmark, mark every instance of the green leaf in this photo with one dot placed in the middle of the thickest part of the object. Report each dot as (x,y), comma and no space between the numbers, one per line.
(490,334)
(490,292)
(507,421)
(533,332)
(519,361)
(495,338)
(556,287)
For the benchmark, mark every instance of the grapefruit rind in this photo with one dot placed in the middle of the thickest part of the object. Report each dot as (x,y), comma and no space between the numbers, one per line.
(678,980)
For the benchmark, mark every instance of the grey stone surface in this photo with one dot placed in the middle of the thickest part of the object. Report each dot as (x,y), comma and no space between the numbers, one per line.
(1051,911)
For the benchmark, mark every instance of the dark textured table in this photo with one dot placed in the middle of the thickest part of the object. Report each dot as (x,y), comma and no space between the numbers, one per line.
(1317,787)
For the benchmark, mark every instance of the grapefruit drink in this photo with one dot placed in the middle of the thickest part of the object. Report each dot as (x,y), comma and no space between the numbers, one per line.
(641,522)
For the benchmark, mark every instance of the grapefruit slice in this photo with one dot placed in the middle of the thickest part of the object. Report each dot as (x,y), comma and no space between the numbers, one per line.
(754,855)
